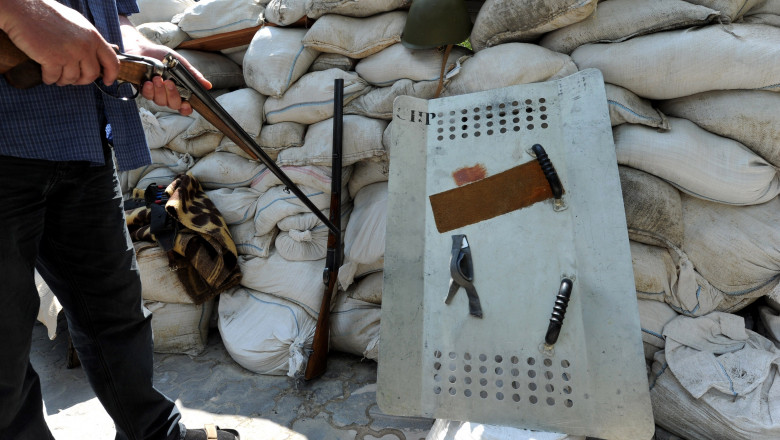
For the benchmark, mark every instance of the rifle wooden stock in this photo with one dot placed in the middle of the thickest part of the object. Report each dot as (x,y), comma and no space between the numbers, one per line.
(318,359)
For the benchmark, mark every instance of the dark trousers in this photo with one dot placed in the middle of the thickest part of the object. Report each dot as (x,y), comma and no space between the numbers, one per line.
(66,219)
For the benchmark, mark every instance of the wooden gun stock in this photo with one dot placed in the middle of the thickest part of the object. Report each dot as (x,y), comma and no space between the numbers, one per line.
(318,359)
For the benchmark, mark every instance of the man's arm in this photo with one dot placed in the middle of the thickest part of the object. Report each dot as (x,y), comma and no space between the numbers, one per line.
(66,45)
(161,92)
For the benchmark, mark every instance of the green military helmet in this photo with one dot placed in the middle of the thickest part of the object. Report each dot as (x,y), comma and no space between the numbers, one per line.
(434,23)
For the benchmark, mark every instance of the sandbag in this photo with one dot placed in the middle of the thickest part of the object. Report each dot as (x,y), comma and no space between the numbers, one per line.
(697,162)
(244,105)
(625,107)
(502,21)
(278,203)
(299,282)
(248,242)
(354,326)
(751,117)
(443,429)
(355,37)
(161,128)
(315,177)
(180,328)
(377,103)
(367,172)
(162,176)
(164,32)
(302,237)
(653,316)
(507,65)
(265,334)
(161,158)
(653,208)
(767,13)
(158,10)
(361,139)
(364,236)
(210,17)
(221,72)
(619,20)
(736,248)
(49,309)
(310,99)
(672,64)
(397,62)
(158,280)
(353,8)
(285,12)
(237,205)
(368,288)
(226,170)
(730,10)
(275,59)
(716,380)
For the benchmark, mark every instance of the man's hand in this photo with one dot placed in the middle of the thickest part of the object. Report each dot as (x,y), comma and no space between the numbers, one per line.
(66,45)
(163,93)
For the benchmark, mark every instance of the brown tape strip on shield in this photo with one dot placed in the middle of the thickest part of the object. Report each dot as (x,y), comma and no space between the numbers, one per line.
(490,197)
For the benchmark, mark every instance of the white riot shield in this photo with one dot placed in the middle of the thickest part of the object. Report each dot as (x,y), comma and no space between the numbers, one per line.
(506,300)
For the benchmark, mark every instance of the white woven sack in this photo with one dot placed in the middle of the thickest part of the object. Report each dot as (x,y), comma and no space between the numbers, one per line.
(397,62)
(668,275)
(244,105)
(716,380)
(670,64)
(161,158)
(164,32)
(248,242)
(502,21)
(364,236)
(353,8)
(198,146)
(161,128)
(354,326)
(273,138)
(226,170)
(275,59)
(368,288)
(220,70)
(367,172)
(507,65)
(625,107)
(361,139)
(161,176)
(237,205)
(378,102)
(653,316)
(736,248)
(698,162)
(285,12)
(314,177)
(751,117)
(767,13)
(653,208)
(265,334)
(310,99)
(302,237)
(443,429)
(299,282)
(158,10)
(210,17)
(730,10)
(619,20)
(159,282)
(355,37)
(325,61)
(278,203)
(180,328)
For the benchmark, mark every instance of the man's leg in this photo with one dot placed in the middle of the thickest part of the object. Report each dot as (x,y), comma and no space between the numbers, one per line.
(21,224)
(87,259)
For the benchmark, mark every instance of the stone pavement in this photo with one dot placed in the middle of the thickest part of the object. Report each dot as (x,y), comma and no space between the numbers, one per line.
(212,387)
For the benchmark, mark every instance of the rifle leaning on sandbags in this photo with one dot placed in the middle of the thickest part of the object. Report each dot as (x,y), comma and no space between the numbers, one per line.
(22,72)
(318,358)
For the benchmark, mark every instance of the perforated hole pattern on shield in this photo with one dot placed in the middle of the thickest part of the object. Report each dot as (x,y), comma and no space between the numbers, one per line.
(512,379)
(487,120)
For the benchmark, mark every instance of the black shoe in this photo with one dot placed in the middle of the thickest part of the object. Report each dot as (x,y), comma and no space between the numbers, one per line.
(211,432)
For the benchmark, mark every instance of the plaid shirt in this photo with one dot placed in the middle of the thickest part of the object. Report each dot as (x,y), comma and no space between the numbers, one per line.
(69,123)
